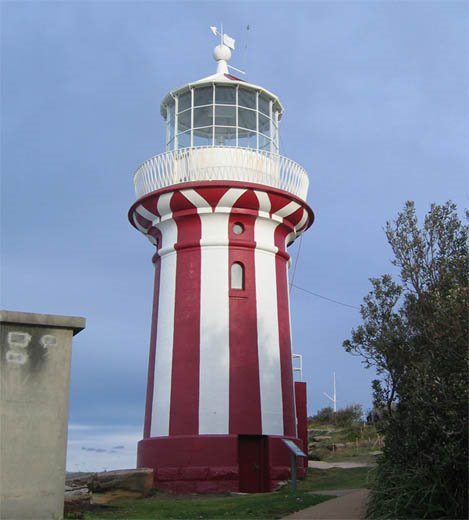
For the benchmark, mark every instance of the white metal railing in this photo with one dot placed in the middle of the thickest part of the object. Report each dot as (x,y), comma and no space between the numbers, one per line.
(218,163)
(297,360)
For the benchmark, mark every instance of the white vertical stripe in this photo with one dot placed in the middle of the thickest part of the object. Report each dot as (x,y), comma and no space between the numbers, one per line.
(143,212)
(291,350)
(302,222)
(214,327)
(290,208)
(267,331)
(137,224)
(229,198)
(165,334)
(164,206)
(195,198)
(264,202)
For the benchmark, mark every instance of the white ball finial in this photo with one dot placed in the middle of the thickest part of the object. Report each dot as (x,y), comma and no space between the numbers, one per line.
(221,52)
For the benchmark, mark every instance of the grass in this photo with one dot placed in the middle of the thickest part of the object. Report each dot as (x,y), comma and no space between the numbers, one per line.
(352,454)
(164,506)
(336,478)
(260,506)
(355,442)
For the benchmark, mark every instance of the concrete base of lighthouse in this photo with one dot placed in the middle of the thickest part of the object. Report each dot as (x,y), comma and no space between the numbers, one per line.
(218,463)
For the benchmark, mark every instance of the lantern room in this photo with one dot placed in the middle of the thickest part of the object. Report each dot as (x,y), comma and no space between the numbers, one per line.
(222,110)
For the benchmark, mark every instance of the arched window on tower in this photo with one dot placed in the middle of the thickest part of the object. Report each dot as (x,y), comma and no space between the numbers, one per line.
(237,275)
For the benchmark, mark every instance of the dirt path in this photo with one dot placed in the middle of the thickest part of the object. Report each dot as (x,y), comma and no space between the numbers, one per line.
(319,464)
(349,505)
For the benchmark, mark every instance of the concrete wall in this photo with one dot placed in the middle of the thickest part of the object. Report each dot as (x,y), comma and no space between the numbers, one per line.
(35,374)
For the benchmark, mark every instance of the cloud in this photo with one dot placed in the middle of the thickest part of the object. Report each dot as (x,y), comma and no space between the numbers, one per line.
(93,447)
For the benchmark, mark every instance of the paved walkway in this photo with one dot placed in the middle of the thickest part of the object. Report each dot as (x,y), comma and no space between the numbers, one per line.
(350,504)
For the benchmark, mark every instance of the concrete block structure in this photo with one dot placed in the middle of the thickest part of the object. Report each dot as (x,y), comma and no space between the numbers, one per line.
(220,206)
(34,392)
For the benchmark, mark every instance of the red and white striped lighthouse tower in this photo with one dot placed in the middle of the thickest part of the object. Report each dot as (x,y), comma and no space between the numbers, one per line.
(220,206)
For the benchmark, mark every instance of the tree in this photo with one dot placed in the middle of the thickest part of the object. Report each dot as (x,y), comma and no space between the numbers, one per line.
(347,416)
(415,333)
(324,416)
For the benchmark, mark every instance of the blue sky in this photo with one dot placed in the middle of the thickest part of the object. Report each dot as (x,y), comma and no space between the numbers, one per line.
(376,110)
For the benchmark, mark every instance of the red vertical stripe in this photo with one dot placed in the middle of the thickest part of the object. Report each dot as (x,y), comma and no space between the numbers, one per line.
(245,405)
(302,415)
(288,396)
(184,413)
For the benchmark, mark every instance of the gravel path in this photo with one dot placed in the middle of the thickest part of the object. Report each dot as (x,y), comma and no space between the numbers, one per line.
(349,505)
(319,464)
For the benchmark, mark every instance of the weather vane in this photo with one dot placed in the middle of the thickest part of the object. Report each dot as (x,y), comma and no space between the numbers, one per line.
(222,53)
(224,38)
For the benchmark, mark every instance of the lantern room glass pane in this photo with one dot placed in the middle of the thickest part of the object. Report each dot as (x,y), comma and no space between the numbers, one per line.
(184,101)
(264,143)
(225,116)
(247,139)
(264,124)
(247,98)
(184,140)
(208,130)
(203,136)
(225,95)
(184,121)
(203,96)
(264,105)
(247,118)
(225,136)
(170,112)
(170,131)
(203,116)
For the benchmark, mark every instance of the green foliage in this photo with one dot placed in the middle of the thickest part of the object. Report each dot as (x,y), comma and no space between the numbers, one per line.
(414,333)
(349,415)
(324,416)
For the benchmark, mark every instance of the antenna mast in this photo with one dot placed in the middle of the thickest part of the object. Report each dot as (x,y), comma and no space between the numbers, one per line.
(333,399)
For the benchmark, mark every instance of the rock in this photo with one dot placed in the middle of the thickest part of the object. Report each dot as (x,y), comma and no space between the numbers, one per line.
(74,480)
(140,480)
(85,489)
(76,499)
(71,491)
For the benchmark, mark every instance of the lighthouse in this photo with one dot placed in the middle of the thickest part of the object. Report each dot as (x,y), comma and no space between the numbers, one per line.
(220,207)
